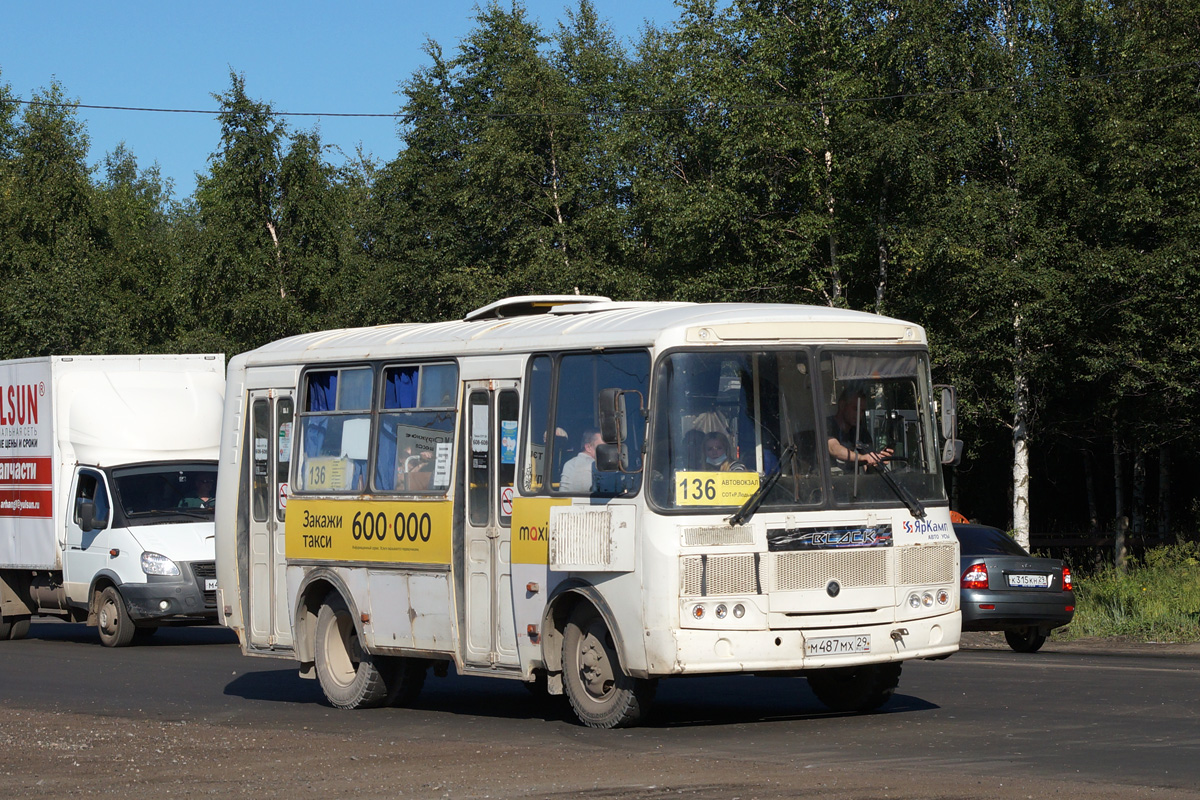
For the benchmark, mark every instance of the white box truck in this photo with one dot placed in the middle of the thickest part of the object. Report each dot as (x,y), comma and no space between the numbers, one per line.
(107,473)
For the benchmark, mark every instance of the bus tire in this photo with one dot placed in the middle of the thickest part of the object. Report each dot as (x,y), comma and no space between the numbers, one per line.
(5,628)
(405,677)
(855,689)
(601,694)
(350,677)
(112,619)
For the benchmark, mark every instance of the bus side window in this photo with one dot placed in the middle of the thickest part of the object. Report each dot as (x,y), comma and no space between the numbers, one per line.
(335,430)
(537,452)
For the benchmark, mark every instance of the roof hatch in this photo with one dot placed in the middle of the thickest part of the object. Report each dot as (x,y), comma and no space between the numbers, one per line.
(529,305)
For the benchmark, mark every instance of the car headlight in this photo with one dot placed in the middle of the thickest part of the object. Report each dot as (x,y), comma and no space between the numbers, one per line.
(158,564)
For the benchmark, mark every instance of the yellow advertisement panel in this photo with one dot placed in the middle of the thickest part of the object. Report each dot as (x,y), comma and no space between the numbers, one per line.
(531,529)
(369,530)
(714,488)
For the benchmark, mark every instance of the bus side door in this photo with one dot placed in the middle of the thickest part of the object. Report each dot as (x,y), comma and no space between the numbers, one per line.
(491,410)
(271,414)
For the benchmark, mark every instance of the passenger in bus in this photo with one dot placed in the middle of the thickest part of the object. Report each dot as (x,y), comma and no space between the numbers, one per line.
(850,437)
(693,449)
(716,454)
(579,474)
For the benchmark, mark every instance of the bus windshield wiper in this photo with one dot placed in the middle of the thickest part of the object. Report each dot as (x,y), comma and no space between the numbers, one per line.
(755,500)
(914,505)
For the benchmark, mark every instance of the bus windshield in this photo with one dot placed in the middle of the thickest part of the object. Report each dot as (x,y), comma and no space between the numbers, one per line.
(724,418)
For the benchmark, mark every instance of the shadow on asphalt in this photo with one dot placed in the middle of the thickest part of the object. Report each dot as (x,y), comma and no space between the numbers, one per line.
(680,703)
(166,636)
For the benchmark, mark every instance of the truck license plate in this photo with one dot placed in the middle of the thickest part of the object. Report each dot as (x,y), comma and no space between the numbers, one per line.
(1028,581)
(837,645)
(210,584)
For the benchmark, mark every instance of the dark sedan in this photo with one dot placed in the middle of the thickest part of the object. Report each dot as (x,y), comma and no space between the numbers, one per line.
(1006,589)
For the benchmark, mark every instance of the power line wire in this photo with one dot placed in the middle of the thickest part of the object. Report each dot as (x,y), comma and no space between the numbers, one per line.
(409,116)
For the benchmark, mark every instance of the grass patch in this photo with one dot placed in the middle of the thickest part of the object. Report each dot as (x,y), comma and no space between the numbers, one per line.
(1157,599)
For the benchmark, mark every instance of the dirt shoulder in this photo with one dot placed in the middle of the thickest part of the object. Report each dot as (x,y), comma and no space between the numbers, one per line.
(69,755)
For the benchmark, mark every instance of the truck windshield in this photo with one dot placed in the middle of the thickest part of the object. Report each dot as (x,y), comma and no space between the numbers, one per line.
(722,419)
(174,489)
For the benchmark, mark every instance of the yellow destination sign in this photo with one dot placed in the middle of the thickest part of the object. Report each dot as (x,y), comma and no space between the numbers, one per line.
(714,488)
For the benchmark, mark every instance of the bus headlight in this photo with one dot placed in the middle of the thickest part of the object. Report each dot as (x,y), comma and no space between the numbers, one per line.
(721,611)
(943,597)
(158,564)
(914,600)
(739,611)
(698,612)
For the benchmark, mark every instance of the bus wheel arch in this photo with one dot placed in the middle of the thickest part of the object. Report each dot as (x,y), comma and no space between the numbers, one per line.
(317,586)
(559,606)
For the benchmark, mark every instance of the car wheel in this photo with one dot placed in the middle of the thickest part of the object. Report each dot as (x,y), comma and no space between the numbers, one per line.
(112,619)
(855,689)
(601,694)
(350,677)
(1025,640)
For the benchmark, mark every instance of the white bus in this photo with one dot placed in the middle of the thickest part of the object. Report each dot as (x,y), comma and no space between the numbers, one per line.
(409,496)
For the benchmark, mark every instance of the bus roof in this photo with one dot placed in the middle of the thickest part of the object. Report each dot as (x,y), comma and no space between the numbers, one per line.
(596,322)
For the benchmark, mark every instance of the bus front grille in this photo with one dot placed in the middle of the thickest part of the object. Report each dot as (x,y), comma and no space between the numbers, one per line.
(852,568)
(705,575)
(927,564)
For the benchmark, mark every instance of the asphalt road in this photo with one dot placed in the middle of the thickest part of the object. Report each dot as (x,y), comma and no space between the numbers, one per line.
(1129,718)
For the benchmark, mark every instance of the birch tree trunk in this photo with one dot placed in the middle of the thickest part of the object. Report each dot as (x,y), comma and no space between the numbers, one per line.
(1020,510)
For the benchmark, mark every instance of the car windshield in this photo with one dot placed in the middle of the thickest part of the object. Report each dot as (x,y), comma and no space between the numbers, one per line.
(979,540)
(173,489)
(723,418)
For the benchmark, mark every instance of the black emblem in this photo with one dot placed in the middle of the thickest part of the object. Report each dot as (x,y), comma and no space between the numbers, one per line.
(833,589)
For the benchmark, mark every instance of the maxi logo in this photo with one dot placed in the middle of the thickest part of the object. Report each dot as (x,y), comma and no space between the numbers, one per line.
(533,533)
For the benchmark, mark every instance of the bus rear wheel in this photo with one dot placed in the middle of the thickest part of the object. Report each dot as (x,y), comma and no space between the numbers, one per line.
(350,677)
(855,689)
(601,694)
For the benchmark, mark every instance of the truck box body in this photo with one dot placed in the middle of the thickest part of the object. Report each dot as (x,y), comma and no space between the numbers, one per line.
(74,426)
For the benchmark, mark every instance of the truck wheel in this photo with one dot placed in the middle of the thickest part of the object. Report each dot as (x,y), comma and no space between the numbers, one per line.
(601,694)
(1025,640)
(855,689)
(5,627)
(19,628)
(112,618)
(350,677)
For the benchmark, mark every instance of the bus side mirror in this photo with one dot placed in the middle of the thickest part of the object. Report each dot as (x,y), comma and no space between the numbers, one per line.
(615,452)
(952,448)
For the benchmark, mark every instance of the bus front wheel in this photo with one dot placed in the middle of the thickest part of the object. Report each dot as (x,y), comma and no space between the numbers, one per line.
(855,689)
(350,677)
(601,694)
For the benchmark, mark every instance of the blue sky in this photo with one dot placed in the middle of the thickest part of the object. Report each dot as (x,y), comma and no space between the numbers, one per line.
(302,55)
